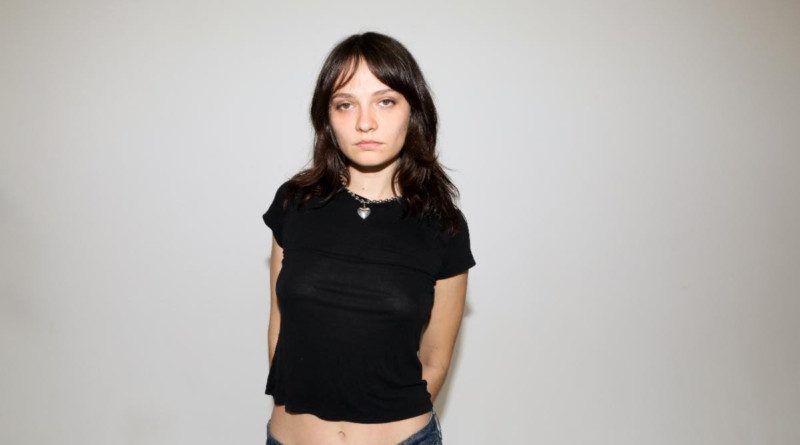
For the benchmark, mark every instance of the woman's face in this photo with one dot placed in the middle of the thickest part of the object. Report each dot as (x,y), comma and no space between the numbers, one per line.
(364,109)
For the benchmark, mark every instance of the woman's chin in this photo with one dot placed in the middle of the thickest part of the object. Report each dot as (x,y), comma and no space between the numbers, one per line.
(372,160)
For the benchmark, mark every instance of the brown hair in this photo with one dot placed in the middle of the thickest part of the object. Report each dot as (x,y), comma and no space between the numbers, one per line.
(427,190)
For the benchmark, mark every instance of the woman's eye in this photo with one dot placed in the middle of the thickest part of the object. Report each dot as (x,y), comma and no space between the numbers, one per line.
(391,101)
(342,105)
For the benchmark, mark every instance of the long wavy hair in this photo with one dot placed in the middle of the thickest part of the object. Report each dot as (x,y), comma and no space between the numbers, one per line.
(427,191)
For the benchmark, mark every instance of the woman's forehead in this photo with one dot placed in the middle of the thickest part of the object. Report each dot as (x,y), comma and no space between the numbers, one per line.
(358,76)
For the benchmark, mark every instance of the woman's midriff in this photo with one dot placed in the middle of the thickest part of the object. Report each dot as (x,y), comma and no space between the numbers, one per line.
(308,429)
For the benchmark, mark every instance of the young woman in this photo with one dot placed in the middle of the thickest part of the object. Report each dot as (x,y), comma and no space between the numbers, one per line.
(369,261)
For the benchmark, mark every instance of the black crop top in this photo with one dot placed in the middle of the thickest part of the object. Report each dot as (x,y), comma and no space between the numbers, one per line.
(354,295)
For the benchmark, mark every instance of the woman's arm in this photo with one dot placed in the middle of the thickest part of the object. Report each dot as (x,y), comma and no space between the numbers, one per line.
(275,262)
(439,338)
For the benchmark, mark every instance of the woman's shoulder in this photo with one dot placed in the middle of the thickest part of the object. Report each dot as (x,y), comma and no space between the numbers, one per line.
(443,225)
(301,198)
(287,189)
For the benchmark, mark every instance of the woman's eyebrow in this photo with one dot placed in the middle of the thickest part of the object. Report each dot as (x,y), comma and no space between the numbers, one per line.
(385,90)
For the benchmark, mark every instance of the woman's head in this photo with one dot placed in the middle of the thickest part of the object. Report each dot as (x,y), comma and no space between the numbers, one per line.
(403,118)
(380,60)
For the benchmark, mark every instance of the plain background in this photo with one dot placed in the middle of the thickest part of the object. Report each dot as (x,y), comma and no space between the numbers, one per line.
(629,169)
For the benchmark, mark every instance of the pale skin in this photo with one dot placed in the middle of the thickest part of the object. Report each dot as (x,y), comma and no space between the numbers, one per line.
(365,108)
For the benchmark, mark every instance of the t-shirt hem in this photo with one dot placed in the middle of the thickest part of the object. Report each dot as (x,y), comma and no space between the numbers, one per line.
(337,417)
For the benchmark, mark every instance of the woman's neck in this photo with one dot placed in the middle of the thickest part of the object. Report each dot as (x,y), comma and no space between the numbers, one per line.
(372,185)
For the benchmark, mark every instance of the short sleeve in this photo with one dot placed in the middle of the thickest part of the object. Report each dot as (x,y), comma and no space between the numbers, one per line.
(275,214)
(457,255)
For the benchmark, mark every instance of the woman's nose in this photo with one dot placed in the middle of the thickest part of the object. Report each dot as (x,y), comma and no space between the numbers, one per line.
(366,121)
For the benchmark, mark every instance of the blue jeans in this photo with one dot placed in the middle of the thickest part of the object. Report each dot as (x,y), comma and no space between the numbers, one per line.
(430,434)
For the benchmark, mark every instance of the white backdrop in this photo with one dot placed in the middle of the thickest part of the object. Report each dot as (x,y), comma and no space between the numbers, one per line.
(629,170)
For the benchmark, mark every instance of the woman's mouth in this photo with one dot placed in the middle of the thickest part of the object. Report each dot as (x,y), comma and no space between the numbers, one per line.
(369,144)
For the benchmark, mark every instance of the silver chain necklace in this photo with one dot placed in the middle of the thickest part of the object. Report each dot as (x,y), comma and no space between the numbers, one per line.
(364,211)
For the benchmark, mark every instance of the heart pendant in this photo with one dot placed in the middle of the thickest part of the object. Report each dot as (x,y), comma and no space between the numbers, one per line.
(363,212)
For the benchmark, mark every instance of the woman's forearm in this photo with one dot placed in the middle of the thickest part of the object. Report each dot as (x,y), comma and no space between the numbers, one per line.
(435,377)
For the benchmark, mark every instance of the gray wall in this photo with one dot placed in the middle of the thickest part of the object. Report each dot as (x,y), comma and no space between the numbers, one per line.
(629,171)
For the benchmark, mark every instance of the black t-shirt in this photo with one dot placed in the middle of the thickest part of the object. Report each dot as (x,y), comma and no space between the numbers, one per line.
(354,295)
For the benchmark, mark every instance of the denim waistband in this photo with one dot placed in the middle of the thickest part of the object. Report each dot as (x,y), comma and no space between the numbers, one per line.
(430,434)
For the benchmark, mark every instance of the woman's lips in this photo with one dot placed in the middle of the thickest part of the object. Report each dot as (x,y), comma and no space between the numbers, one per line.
(369,144)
